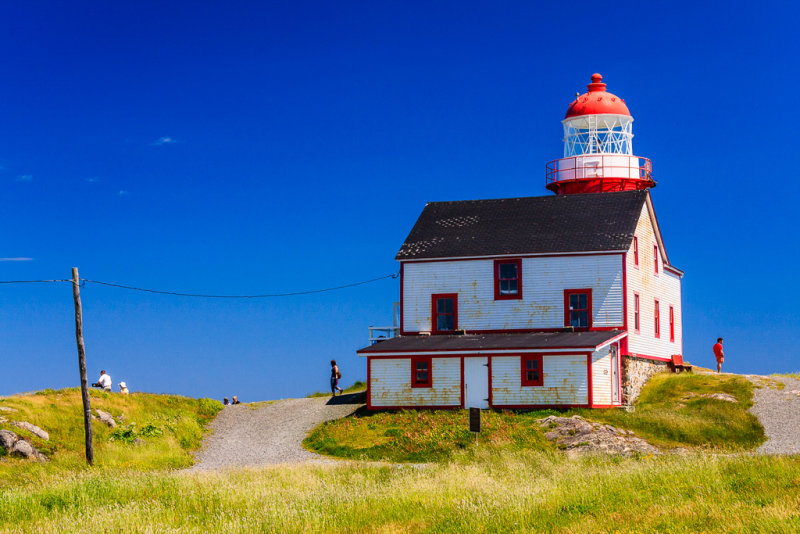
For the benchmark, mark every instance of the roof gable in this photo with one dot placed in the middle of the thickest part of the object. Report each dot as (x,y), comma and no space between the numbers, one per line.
(530,225)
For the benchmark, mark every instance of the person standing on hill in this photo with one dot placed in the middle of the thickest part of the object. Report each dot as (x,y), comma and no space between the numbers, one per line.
(719,354)
(335,376)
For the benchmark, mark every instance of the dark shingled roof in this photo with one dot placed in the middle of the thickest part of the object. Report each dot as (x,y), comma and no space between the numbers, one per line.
(533,340)
(564,223)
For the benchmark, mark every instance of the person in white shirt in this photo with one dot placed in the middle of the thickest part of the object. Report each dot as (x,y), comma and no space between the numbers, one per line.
(103,382)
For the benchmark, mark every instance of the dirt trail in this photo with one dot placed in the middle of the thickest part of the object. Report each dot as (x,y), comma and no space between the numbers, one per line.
(778,410)
(269,434)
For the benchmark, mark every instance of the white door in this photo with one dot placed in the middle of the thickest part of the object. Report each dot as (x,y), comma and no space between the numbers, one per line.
(614,375)
(476,382)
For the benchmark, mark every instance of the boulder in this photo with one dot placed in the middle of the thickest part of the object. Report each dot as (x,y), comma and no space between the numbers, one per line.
(7,439)
(33,429)
(106,418)
(575,434)
(24,449)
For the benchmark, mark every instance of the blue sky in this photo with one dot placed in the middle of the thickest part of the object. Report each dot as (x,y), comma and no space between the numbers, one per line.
(247,147)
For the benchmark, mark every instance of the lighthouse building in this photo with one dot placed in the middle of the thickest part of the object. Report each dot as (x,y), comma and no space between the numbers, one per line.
(566,300)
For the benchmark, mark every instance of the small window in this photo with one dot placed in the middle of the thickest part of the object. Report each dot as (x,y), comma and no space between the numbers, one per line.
(532,371)
(657,316)
(421,376)
(672,324)
(444,313)
(636,251)
(507,279)
(578,308)
(655,259)
(636,325)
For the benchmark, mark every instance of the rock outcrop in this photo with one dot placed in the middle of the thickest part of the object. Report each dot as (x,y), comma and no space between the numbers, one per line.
(17,446)
(33,429)
(576,434)
(106,418)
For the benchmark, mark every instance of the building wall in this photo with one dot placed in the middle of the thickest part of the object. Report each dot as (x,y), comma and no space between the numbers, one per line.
(635,374)
(390,383)
(544,280)
(565,381)
(601,376)
(665,286)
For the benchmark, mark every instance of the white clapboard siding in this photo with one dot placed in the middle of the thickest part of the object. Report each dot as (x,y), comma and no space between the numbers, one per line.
(544,280)
(601,376)
(666,287)
(390,383)
(565,381)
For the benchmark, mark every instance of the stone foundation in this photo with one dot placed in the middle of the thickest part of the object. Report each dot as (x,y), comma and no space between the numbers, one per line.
(635,373)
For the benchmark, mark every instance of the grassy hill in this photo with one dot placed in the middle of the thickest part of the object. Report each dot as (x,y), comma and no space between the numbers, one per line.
(168,428)
(513,481)
(670,412)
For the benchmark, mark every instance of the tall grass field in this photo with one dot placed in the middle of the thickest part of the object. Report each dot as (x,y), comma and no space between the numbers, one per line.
(424,474)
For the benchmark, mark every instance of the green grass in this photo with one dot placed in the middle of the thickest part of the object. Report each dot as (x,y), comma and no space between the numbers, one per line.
(489,491)
(357,387)
(169,427)
(664,415)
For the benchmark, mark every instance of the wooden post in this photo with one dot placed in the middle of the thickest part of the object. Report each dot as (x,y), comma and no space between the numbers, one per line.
(87,408)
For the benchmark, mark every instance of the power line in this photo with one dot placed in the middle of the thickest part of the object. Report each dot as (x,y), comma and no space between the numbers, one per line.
(208,296)
(31,281)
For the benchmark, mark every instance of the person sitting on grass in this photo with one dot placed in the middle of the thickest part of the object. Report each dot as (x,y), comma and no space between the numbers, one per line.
(123,388)
(235,400)
(104,382)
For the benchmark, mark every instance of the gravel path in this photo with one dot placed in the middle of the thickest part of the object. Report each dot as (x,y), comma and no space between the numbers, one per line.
(779,413)
(270,434)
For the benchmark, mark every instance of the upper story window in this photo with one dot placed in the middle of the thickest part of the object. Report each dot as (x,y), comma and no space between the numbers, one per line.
(532,370)
(421,372)
(578,308)
(636,324)
(444,313)
(655,259)
(657,316)
(672,324)
(636,251)
(507,279)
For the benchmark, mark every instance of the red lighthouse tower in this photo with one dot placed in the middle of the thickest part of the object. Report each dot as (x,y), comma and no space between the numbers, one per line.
(598,152)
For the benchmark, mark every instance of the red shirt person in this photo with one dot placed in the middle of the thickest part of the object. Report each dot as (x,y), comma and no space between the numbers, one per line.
(719,354)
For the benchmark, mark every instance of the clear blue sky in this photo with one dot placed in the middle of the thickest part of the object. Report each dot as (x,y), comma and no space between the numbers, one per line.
(240,147)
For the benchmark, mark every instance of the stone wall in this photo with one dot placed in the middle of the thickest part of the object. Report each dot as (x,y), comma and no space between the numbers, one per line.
(635,373)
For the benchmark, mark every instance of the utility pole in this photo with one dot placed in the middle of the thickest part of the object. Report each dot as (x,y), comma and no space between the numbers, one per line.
(87,408)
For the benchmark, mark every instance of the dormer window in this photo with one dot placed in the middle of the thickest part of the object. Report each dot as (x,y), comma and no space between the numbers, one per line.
(507,279)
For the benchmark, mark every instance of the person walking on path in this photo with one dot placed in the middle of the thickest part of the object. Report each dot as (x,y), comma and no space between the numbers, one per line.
(335,376)
(719,354)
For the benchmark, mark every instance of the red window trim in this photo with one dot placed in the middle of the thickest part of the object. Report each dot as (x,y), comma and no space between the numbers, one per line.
(655,259)
(657,318)
(497,264)
(434,329)
(567,293)
(636,252)
(524,359)
(637,313)
(425,359)
(672,324)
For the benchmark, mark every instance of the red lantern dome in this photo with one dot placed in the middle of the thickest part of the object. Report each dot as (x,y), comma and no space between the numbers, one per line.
(597,101)
(598,147)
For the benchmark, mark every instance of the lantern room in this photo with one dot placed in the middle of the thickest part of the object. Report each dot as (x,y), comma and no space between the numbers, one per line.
(598,147)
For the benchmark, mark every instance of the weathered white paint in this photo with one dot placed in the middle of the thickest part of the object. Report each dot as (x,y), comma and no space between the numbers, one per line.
(476,382)
(544,280)
(565,381)
(665,286)
(601,376)
(390,383)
